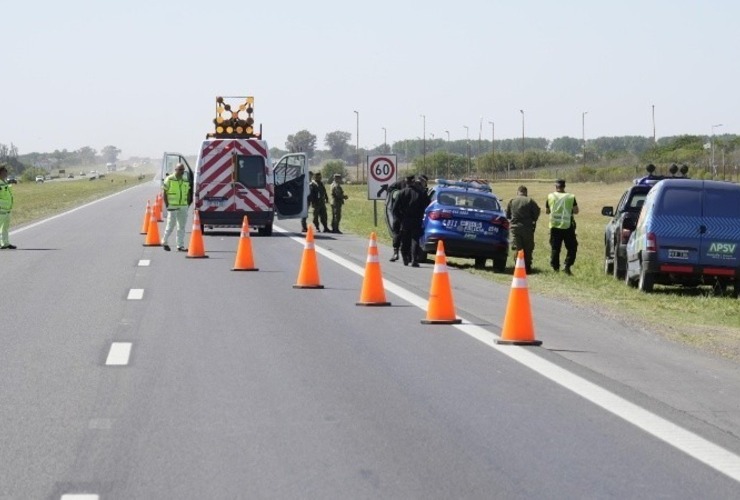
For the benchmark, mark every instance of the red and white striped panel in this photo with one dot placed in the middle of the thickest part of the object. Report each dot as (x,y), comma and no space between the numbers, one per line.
(214,176)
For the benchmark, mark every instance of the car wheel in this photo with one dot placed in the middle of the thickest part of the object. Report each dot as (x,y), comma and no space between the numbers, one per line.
(499,263)
(618,269)
(608,266)
(424,257)
(265,231)
(627,280)
(480,262)
(736,289)
(646,280)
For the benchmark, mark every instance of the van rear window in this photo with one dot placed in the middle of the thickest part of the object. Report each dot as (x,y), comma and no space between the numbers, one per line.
(250,171)
(681,201)
(722,203)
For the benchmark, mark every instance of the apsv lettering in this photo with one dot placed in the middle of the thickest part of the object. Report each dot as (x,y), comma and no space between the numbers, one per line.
(728,248)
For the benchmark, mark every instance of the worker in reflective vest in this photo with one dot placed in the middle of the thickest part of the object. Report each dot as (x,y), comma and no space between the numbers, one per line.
(177,199)
(6,205)
(561,207)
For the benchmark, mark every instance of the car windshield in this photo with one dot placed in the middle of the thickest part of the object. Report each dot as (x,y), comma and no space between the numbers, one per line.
(467,199)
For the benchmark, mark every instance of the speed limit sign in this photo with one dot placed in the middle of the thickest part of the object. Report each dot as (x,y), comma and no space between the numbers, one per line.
(382,172)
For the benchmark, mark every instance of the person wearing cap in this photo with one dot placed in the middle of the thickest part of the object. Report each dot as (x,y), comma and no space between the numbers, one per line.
(6,206)
(309,202)
(523,212)
(177,198)
(409,211)
(394,190)
(337,200)
(561,207)
(320,199)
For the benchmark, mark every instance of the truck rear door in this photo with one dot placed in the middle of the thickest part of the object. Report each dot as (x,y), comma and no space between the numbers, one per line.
(677,225)
(720,245)
(169,161)
(290,175)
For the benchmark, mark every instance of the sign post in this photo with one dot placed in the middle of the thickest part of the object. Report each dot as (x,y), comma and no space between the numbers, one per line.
(382,172)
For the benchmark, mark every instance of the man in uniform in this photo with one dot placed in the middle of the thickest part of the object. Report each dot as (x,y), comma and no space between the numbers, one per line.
(6,205)
(396,227)
(523,213)
(320,199)
(562,207)
(409,210)
(177,198)
(309,200)
(337,200)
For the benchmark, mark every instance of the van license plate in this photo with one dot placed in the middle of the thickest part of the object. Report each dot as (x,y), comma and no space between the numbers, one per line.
(678,254)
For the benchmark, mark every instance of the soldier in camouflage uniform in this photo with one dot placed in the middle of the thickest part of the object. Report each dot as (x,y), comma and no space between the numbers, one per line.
(523,213)
(320,199)
(337,200)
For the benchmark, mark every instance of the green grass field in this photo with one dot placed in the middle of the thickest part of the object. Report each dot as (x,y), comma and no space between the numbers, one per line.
(690,316)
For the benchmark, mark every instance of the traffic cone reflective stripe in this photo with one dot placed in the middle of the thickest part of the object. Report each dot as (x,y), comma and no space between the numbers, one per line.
(196,248)
(244,259)
(308,275)
(152,232)
(441,308)
(373,292)
(147,216)
(518,327)
(158,202)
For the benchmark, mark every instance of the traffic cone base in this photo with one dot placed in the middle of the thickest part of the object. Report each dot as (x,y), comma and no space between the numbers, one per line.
(308,274)
(196,248)
(244,260)
(518,328)
(441,308)
(373,292)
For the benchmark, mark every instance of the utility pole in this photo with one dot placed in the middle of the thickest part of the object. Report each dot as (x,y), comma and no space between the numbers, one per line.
(654,138)
(424,145)
(447,171)
(583,133)
(357,175)
(493,148)
(385,140)
(467,145)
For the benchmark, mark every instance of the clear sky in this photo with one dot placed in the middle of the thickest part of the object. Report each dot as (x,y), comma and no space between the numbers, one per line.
(143,75)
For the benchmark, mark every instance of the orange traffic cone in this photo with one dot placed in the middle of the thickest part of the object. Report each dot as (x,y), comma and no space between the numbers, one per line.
(308,275)
(373,292)
(244,260)
(147,216)
(195,247)
(441,309)
(158,201)
(518,328)
(152,232)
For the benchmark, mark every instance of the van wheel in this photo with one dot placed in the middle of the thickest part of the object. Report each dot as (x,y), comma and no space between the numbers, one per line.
(618,271)
(646,281)
(480,262)
(608,266)
(628,281)
(265,231)
(499,262)
(736,289)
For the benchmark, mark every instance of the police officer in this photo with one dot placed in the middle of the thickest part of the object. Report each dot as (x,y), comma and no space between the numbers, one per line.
(562,207)
(409,210)
(337,200)
(320,199)
(6,205)
(304,220)
(177,198)
(523,213)
(396,226)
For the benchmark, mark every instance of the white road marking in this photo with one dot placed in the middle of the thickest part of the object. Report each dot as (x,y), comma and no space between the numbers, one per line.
(80,496)
(692,444)
(135,294)
(144,262)
(119,354)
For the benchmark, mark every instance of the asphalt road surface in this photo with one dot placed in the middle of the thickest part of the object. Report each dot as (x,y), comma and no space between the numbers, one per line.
(129,372)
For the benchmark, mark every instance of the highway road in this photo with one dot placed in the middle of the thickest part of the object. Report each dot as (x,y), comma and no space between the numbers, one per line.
(129,372)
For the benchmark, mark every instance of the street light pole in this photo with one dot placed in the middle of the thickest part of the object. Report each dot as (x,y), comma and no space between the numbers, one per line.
(522,112)
(467,145)
(424,145)
(493,140)
(583,133)
(714,167)
(385,140)
(357,170)
(447,171)
(654,139)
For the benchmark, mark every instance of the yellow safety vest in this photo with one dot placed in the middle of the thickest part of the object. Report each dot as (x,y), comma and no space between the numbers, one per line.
(561,209)
(6,197)
(176,190)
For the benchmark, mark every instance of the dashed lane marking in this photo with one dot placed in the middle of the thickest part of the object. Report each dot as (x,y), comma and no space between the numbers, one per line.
(119,354)
(135,294)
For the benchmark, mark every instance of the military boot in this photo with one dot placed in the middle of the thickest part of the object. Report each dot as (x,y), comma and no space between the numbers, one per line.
(394,257)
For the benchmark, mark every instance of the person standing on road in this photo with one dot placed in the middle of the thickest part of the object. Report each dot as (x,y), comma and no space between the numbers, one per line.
(523,213)
(394,190)
(309,202)
(562,207)
(337,200)
(409,210)
(6,205)
(177,198)
(320,199)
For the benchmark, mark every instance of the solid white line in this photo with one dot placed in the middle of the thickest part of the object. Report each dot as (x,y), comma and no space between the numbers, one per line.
(686,441)
(144,262)
(118,354)
(80,496)
(135,294)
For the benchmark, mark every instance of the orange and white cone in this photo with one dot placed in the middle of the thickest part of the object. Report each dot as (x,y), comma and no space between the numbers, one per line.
(196,249)
(518,327)
(441,308)
(152,232)
(244,259)
(373,292)
(147,216)
(308,275)
(158,207)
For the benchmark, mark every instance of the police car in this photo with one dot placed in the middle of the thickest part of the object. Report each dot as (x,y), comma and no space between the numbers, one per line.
(469,219)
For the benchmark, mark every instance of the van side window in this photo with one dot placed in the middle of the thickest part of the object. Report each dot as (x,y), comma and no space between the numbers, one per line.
(681,201)
(250,171)
(722,203)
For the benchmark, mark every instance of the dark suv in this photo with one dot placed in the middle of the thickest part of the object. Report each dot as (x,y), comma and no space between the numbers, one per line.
(624,219)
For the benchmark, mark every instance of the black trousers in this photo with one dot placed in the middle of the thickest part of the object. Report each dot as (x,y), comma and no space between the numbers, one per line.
(558,238)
